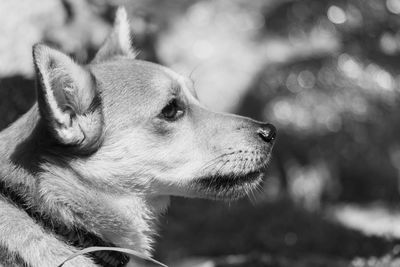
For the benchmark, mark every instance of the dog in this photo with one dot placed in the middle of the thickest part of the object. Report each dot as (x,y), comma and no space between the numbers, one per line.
(96,159)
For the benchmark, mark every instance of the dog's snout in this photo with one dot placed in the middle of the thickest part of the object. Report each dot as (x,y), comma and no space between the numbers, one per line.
(267,132)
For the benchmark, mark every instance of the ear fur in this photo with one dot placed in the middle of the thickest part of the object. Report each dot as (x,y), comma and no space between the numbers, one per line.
(67,97)
(118,42)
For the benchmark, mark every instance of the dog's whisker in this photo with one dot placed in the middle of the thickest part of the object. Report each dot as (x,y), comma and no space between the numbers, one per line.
(210,163)
(252,196)
(218,172)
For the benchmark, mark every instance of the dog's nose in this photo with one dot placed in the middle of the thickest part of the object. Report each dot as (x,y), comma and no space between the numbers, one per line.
(267,132)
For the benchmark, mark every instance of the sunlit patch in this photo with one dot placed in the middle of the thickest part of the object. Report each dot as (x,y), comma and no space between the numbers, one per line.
(217,40)
(371,220)
(203,49)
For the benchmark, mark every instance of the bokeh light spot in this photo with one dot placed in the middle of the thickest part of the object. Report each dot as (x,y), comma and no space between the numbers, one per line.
(306,79)
(336,15)
(349,66)
(393,6)
(388,44)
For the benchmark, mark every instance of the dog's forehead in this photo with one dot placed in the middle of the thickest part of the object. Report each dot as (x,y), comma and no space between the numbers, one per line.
(139,78)
(137,86)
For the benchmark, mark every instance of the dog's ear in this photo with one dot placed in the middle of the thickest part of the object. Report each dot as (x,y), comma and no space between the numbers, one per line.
(67,98)
(118,42)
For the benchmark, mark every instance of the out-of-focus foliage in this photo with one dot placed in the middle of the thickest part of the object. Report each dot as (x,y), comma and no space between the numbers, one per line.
(337,112)
(326,73)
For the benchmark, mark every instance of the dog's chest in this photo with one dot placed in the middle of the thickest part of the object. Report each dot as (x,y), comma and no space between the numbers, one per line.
(139,214)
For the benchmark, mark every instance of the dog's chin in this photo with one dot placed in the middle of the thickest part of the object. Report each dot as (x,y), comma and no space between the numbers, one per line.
(228,187)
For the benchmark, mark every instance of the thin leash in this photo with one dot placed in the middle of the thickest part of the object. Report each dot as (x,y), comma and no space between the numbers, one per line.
(123,250)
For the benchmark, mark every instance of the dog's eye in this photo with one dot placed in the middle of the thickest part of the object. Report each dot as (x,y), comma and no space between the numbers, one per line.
(172,111)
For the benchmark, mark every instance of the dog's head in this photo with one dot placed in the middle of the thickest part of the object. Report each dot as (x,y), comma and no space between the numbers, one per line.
(134,126)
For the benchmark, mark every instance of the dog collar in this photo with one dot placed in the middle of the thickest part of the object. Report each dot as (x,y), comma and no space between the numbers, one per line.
(77,237)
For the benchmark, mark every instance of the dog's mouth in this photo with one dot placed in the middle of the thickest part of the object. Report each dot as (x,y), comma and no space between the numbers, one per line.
(229,186)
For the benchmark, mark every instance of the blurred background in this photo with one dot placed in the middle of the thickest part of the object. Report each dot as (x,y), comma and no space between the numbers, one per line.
(326,73)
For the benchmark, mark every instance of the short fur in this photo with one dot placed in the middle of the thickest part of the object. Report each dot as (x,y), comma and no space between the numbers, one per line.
(98,152)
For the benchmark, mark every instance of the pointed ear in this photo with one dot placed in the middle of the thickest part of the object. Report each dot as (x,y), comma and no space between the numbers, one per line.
(118,42)
(67,98)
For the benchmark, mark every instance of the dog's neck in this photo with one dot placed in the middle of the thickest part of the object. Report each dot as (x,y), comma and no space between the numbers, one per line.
(59,193)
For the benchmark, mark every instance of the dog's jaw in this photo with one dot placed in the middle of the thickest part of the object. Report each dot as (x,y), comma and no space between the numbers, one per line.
(228,187)
(234,175)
